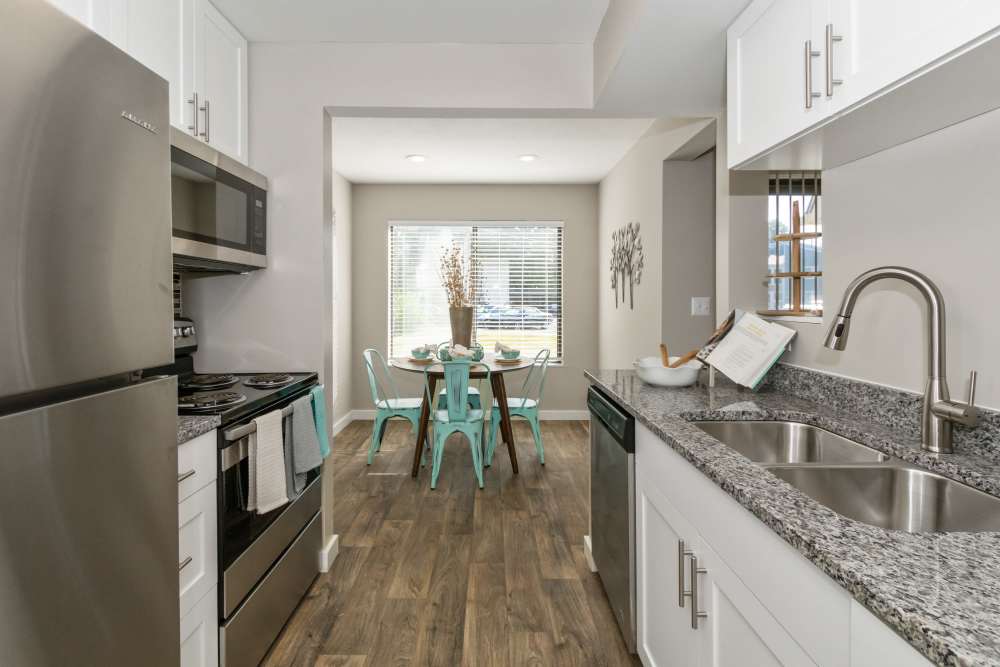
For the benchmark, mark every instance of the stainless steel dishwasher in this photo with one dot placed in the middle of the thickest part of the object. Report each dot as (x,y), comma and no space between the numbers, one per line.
(612,507)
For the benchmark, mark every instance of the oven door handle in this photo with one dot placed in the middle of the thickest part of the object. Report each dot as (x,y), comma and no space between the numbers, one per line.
(236,437)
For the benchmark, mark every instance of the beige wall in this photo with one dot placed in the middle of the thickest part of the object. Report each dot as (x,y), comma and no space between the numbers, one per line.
(930,204)
(688,250)
(633,191)
(575,205)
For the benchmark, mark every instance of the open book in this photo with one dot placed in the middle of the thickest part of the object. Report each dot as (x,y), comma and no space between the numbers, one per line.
(749,349)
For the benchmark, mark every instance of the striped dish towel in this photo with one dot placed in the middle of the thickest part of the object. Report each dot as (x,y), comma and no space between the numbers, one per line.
(267,490)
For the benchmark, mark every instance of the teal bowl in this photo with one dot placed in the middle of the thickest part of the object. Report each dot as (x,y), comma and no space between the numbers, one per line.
(420,353)
(510,354)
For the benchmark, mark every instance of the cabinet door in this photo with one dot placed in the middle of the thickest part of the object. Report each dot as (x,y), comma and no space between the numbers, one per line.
(200,633)
(766,76)
(664,627)
(220,71)
(884,42)
(153,37)
(737,629)
(197,555)
(105,17)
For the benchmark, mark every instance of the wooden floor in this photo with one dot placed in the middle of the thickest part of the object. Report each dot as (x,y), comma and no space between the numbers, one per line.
(457,576)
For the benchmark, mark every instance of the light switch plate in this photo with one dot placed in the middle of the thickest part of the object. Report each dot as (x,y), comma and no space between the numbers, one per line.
(701,305)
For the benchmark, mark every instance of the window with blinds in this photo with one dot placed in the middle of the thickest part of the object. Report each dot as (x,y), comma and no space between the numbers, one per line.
(795,244)
(518,275)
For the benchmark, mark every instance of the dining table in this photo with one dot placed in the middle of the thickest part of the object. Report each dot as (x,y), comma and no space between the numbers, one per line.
(435,372)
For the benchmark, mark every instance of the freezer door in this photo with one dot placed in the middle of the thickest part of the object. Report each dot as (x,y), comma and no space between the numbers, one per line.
(88,536)
(85,269)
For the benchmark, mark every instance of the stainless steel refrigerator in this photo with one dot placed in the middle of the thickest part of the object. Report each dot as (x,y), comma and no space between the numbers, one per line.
(88,462)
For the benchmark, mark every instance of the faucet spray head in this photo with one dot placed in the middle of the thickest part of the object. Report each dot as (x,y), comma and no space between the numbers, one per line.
(836,339)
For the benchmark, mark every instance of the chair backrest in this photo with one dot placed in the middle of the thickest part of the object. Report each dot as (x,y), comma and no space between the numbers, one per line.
(534,384)
(456,381)
(373,362)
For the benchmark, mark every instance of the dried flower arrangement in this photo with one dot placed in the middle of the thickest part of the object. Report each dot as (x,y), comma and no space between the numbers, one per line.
(456,277)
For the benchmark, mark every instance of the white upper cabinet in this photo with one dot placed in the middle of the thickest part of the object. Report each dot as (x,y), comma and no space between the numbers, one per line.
(153,37)
(886,41)
(861,49)
(220,77)
(191,45)
(768,73)
(105,17)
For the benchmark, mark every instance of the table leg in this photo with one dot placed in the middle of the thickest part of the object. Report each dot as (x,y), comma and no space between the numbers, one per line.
(425,414)
(506,431)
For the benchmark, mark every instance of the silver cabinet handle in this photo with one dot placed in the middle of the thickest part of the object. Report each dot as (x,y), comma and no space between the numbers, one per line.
(695,613)
(184,563)
(830,39)
(682,555)
(194,114)
(208,115)
(809,55)
(185,475)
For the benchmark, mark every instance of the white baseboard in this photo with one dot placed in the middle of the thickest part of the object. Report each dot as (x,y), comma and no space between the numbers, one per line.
(328,553)
(546,415)
(588,551)
(342,423)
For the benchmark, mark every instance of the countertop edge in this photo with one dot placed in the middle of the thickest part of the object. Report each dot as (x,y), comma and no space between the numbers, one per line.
(190,427)
(935,644)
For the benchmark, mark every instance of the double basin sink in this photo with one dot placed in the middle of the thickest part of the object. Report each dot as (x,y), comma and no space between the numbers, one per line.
(859,482)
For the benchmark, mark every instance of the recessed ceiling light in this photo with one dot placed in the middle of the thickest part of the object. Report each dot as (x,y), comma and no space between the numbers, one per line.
(416,157)
(528,157)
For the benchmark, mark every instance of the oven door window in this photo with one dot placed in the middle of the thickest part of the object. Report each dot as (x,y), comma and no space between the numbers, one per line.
(210,205)
(240,526)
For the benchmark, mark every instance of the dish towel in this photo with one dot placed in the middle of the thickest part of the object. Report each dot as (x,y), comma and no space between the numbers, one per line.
(304,443)
(267,490)
(319,414)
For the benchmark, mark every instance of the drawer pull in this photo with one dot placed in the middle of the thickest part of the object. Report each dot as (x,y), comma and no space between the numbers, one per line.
(184,563)
(682,554)
(185,475)
(695,613)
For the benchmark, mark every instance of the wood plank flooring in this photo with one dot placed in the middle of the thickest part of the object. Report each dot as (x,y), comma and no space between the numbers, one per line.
(457,576)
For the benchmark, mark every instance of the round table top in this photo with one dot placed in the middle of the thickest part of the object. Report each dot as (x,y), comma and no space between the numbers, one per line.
(404,364)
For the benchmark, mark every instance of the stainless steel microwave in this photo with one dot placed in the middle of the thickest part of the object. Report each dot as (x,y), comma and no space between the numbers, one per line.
(219,209)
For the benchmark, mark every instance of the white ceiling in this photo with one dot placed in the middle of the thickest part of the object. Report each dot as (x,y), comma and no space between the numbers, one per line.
(674,60)
(482,150)
(413,21)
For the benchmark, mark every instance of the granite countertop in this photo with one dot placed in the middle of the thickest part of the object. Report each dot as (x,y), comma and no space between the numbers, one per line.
(190,427)
(940,591)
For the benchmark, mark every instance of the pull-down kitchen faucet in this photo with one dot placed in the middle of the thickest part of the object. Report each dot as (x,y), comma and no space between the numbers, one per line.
(939,410)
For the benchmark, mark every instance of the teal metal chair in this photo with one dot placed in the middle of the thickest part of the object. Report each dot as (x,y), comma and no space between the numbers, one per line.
(387,405)
(525,407)
(475,395)
(458,416)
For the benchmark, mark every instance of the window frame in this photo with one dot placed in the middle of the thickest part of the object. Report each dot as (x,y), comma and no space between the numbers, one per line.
(558,354)
(797,238)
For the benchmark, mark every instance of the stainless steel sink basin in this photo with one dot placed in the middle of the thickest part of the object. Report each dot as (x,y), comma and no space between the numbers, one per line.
(896,497)
(788,442)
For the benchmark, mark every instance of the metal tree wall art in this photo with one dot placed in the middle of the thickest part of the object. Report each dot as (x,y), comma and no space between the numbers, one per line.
(627,261)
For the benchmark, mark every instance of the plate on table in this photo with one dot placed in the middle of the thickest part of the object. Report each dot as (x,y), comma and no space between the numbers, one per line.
(502,361)
(422,362)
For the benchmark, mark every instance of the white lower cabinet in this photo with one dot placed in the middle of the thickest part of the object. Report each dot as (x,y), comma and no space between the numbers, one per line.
(197,558)
(200,633)
(703,560)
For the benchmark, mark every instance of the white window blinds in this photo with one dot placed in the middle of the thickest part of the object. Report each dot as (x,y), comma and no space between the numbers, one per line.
(518,276)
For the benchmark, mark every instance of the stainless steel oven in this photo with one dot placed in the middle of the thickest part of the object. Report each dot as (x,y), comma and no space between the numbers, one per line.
(219,209)
(612,507)
(267,561)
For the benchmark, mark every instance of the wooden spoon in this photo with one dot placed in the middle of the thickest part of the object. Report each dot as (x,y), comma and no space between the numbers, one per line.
(686,358)
(663,355)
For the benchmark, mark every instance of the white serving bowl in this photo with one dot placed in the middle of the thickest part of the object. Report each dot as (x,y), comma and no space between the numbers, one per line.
(652,371)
